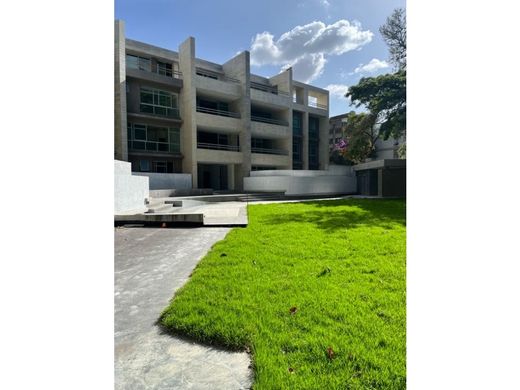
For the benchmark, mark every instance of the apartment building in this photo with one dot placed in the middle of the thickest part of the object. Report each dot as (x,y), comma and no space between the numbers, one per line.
(336,124)
(176,113)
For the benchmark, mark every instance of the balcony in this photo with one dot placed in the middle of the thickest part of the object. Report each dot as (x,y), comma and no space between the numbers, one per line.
(153,146)
(167,77)
(269,120)
(212,146)
(318,105)
(263,129)
(279,152)
(212,111)
(218,120)
(269,96)
(273,160)
(217,156)
(217,85)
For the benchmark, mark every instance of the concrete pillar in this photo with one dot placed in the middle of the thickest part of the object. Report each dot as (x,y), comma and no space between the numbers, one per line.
(120,123)
(188,111)
(284,82)
(239,68)
(323,148)
(231,176)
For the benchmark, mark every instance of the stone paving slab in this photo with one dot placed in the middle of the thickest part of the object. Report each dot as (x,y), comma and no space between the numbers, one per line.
(150,265)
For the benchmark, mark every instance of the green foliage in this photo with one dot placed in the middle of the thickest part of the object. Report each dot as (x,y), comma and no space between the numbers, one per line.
(394,34)
(361,136)
(316,290)
(385,97)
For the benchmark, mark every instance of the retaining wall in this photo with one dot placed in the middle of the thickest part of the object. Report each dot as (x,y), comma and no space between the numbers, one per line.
(167,181)
(130,192)
(338,180)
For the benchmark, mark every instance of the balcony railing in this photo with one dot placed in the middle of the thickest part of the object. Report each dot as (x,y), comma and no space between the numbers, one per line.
(153,146)
(212,111)
(230,148)
(269,89)
(216,76)
(169,73)
(280,152)
(160,71)
(269,120)
(159,111)
(317,105)
(297,100)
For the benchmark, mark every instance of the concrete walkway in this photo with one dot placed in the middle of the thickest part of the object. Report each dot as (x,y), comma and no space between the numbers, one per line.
(150,264)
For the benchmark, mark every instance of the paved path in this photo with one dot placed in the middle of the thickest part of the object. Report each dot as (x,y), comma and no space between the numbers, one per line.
(150,264)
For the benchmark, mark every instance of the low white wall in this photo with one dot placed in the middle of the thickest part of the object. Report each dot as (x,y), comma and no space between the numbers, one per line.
(334,170)
(303,182)
(130,192)
(167,181)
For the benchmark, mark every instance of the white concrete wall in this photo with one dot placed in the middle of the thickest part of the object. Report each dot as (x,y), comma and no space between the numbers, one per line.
(339,180)
(130,192)
(167,181)
(334,170)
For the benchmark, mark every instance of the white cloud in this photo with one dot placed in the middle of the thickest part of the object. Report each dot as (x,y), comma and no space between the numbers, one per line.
(337,90)
(373,66)
(324,3)
(305,47)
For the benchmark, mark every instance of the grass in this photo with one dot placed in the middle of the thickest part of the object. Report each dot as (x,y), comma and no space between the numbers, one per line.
(315,290)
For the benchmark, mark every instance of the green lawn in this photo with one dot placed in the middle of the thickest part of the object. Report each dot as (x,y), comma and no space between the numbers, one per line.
(300,279)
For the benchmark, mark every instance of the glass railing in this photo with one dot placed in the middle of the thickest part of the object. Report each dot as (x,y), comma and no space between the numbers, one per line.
(169,112)
(153,146)
(216,76)
(169,73)
(269,120)
(280,152)
(218,112)
(268,88)
(317,105)
(160,71)
(206,145)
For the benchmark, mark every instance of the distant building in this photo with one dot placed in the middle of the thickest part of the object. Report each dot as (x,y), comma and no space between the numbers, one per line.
(385,149)
(176,113)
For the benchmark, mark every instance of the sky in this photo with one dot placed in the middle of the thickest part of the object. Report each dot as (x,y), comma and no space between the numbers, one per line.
(329,43)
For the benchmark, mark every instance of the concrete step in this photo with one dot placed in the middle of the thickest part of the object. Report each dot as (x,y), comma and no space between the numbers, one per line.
(262,196)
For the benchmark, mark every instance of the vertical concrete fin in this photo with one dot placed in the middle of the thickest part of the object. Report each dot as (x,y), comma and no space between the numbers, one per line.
(188,101)
(239,68)
(120,122)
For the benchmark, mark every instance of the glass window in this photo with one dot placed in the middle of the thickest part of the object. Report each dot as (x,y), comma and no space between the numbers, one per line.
(159,102)
(144,165)
(164,69)
(140,132)
(136,62)
(160,166)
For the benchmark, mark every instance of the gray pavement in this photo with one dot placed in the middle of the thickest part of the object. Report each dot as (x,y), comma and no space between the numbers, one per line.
(150,264)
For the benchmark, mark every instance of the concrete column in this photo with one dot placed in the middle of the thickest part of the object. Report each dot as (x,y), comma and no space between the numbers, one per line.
(120,123)
(284,82)
(231,176)
(305,139)
(239,67)
(323,148)
(188,110)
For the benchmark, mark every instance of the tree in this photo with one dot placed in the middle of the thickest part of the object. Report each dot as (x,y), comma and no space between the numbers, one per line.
(385,98)
(360,135)
(394,35)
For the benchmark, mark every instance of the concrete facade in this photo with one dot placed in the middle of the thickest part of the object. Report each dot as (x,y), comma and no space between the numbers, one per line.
(176,113)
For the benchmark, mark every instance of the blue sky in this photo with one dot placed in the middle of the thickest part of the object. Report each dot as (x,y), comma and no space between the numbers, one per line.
(329,43)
